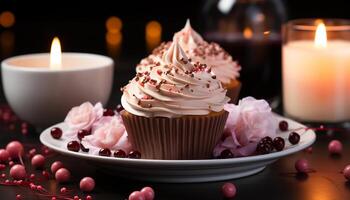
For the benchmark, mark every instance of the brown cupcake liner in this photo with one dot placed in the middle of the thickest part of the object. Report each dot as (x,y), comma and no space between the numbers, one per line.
(182,138)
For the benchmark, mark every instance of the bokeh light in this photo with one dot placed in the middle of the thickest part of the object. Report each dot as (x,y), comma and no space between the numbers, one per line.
(153,34)
(7,19)
(114,24)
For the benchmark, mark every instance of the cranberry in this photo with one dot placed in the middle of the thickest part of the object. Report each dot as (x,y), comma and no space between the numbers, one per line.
(82,133)
(278,143)
(228,190)
(83,148)
(226,154)
(120,153)
(105,152)
(294,138)
(108,112)
(56,132)
(283,125)
(263,148)
(119,108)
(73,146)
(134,154)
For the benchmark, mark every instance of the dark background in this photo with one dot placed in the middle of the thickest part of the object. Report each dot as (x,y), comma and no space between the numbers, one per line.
(80,25)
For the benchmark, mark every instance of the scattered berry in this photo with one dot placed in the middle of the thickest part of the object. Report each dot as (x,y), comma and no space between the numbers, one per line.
(56,132)
(108,112)
(56,166)
(38,161)
(263,148)
(62,175)
(119,108)
(18,172)
(4,156)
(18,197)
(346,172)
(87,184)
(228,190)
(226,154)
(302,166)
(119,154)
(134,154)
(278,143)
(148,193)
(283,125)
(137,195)
(15,149)
(88,197)
(63,190)
(82,133)
(294,138)
(73,146)
(335,147)
(105,152)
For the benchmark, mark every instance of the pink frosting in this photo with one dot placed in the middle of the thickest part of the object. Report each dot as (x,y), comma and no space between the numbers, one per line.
(211,54)
(82,117)
(247,123)
(108,132)
(174,87)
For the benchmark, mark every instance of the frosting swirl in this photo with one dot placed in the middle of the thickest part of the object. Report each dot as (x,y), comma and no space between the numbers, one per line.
(211,54)
(174,86)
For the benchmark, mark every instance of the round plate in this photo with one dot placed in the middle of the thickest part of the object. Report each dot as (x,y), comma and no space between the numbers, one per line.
(181,171)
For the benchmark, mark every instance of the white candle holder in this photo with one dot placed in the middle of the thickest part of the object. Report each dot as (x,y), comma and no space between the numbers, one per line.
(43,96)
(316,70)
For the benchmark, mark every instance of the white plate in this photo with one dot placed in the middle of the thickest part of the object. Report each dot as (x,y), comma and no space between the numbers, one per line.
(181,171)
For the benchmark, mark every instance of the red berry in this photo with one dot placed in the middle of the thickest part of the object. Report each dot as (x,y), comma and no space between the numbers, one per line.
(134,154)
(119,108)
(119,154)
(278,143)
(283,125)
(56,132)
(82,133)
(108,112)
(105,152)
(302,166)
(226,154)
(73,146)
(263,148)
(87,184)
(294,138)
(228,190)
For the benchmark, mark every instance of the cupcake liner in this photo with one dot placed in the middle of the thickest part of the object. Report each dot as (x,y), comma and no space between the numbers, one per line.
(233,92)
(181,138)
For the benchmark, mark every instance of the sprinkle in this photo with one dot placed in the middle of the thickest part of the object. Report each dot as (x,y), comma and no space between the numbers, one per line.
(159,72)
(214,77)
(208,85)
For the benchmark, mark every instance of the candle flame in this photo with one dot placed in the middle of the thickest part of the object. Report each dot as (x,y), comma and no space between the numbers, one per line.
(321,35)
(55,54)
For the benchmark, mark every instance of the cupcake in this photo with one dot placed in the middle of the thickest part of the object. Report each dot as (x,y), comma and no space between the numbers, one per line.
(174,108)
(211,54)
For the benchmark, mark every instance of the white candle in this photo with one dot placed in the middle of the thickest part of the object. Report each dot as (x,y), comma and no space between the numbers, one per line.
(41,88)
(316,79)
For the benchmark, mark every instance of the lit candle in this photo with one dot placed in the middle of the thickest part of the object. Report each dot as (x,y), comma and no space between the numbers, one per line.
(41,88)
(316,72)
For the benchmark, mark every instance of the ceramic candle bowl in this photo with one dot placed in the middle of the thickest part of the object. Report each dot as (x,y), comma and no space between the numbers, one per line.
(43,96)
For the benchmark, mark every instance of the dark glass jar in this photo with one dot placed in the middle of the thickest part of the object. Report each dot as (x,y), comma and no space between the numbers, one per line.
(250,30)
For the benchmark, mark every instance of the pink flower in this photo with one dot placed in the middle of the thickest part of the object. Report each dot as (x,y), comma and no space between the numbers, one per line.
(247,123)
(108,132)
(82,117)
